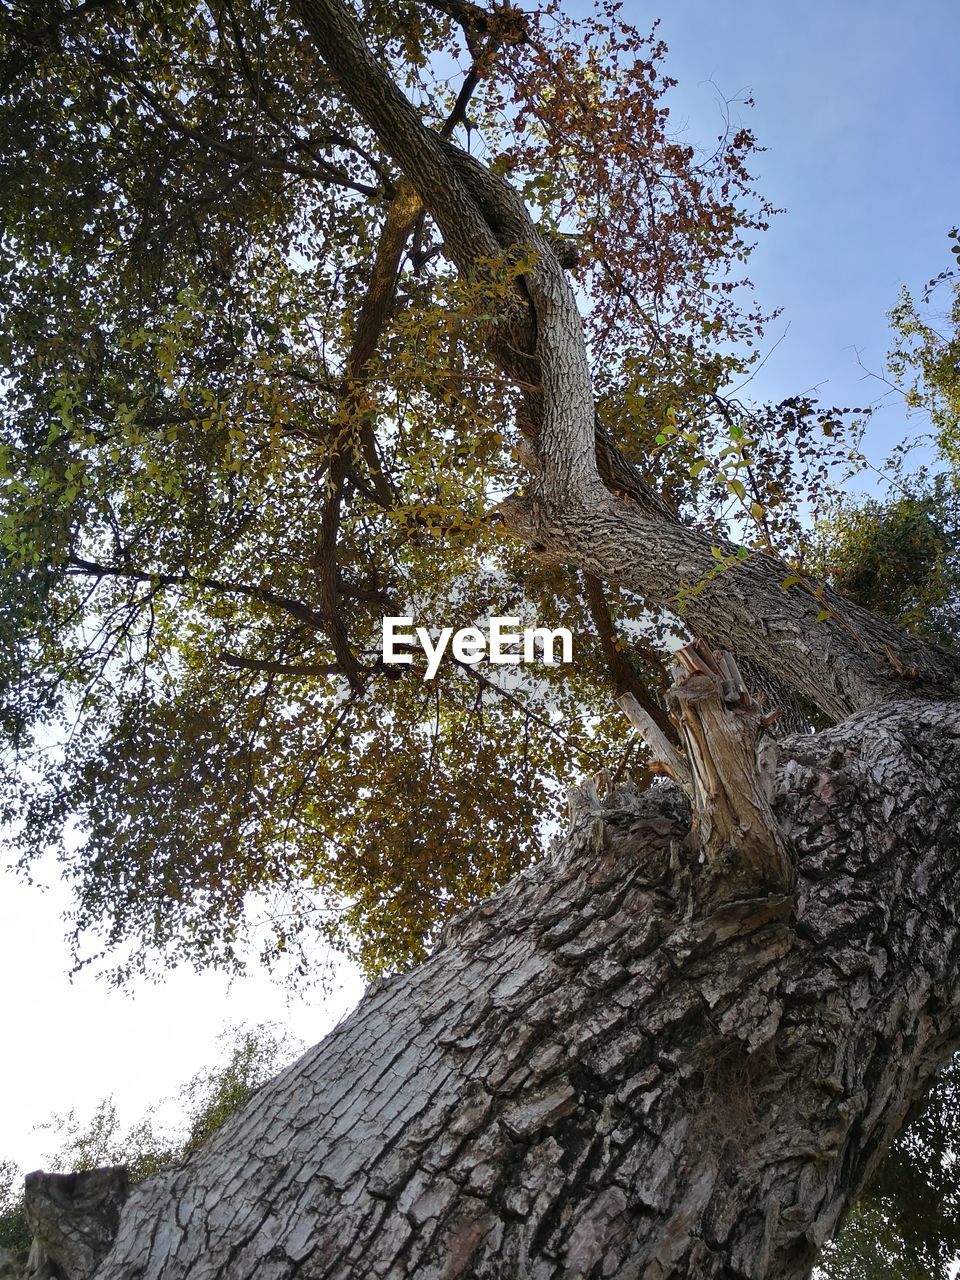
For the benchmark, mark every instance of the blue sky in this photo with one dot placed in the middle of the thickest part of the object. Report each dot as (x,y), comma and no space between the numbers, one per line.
(859,106)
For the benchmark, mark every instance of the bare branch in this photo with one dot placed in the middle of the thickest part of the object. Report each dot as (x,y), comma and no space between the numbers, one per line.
(662,749)
(278,668)
(295,608)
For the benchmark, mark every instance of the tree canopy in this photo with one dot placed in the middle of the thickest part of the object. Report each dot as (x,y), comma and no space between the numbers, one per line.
(249,412)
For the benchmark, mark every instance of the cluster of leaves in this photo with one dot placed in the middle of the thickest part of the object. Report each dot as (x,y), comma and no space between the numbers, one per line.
(901,557)
(925,366)
(660,227)
(254,1056)
(14,1231)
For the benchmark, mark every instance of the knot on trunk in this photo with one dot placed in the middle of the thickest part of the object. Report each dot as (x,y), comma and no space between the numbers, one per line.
(74,1218)
(727,769)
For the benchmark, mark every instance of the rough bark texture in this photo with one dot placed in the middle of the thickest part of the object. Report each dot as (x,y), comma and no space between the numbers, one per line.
(838,666)
(589,1079)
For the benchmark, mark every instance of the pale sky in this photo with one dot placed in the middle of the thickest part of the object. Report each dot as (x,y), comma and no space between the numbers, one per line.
(858,103)
(70,1044)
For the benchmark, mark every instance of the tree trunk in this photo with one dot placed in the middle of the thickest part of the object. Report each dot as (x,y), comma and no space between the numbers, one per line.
(660,1052)
(593,1076)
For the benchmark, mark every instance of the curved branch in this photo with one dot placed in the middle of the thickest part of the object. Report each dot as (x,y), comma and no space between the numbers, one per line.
(278,668)
(569,514)
(619,668)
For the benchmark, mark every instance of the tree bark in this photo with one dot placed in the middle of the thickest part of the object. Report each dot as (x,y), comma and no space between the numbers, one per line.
(593,1077)
(74,1219)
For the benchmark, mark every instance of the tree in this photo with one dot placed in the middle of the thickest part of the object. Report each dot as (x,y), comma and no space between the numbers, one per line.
(194,335)
(680,1044)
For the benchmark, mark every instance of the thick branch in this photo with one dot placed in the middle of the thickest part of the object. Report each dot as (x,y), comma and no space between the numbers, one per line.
(479,215)
(403,215)
(839,663)
(374,311)
(268,667)
(295,608)
(570,516)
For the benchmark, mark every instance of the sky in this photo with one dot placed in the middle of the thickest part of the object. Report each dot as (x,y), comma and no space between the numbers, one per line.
(68,1044)
(858,105)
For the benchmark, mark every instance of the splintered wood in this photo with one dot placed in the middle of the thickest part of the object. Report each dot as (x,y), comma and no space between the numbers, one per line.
(726,769)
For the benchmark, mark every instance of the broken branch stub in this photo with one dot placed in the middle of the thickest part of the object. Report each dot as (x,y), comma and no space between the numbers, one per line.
(727,769)
(664,756)
(74,1219)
